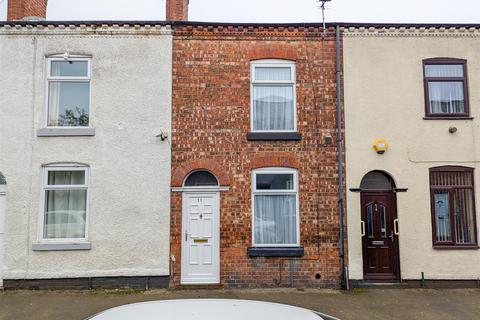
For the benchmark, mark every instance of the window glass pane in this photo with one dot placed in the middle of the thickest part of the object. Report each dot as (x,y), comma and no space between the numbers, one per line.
(66,178)
(444,70)
(446,97)
(273,74)
(370,220)
(273,108)
(69,69)
(376,180)
(452,178)
(442,216)
(201,178)
(68,104)
(275,219)
(464,220)
(383,227)
(275,181)
(65,212)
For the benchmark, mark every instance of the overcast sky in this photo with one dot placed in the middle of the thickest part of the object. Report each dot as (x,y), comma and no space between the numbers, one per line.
(447,11)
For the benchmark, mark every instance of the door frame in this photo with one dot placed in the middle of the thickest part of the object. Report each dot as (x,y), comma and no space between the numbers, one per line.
(395,247)
(3,209)
(184,280)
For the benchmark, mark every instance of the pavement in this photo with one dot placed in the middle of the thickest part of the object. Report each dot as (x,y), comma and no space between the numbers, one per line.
(357,304)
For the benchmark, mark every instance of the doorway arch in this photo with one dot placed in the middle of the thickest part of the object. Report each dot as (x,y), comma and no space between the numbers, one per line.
(377,180)
(379,223)
(201,178)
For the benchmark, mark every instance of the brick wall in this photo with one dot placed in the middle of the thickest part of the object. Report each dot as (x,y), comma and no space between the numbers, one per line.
(18,9)
(177,10)
(211,118)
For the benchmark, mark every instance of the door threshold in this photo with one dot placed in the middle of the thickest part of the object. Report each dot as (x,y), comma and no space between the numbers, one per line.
(207,286)
(377,285)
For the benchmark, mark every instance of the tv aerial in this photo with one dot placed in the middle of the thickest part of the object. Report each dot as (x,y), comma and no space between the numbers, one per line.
(322,6)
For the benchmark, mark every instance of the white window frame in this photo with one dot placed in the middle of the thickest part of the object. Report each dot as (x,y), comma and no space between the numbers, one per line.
(45,187)
(51,78)
(274,63)
(294,191)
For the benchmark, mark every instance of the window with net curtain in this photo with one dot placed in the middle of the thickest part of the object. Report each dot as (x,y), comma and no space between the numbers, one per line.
(65,202)
(273,96)
(68,92)
(446,87)
(275,207)
(453,206)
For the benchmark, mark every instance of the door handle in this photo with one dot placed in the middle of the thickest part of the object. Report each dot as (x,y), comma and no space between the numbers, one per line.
(362,224)
(392,237)
(186,235)
(395,227)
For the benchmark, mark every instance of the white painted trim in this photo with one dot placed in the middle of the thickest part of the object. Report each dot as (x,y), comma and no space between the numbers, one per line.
(50,78)
(61,246)
(66,132)
(45,187)
(294,191)
(215,238)
(279,64)
(200,189)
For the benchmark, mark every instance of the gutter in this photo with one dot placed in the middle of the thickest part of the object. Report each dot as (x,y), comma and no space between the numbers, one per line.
(365,25)
(340,156)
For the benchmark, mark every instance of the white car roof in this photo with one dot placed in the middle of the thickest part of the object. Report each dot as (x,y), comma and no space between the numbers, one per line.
(206,309)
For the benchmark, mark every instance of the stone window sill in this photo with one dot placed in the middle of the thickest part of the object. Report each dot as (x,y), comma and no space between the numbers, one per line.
(61,246)
(448,118)
(274,136)
(465,247)
(275,252)
(65,132)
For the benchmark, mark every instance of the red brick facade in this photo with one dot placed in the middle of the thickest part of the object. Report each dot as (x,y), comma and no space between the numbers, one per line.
(211,119)
(19,9)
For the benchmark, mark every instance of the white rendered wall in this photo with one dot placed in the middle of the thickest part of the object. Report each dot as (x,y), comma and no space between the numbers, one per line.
(2,230)
(129,194)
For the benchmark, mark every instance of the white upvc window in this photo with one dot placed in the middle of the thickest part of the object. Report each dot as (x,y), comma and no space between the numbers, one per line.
(64,209)
(275,208)
(273,96)
(68,92)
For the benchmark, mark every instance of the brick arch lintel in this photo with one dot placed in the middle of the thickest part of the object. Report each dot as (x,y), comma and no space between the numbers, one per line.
(273,52)
(278,159)
(181,172)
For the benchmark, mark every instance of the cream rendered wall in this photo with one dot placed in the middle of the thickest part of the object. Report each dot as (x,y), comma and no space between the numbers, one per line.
(384,98)
(129,194)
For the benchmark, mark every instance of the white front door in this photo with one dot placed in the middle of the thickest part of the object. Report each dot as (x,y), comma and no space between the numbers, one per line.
(200,238)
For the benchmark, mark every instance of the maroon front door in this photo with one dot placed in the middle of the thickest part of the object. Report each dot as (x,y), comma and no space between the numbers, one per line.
(380,243)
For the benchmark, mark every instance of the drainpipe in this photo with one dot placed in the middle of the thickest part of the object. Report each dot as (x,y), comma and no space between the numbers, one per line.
(340,156)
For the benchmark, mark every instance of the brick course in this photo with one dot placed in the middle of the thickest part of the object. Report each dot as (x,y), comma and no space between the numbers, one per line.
(19,9)
(211,118)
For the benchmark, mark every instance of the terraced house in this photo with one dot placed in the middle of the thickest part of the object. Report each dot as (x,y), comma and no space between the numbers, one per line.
(177,153)
(84,151)
(411,107)
(254,154)
(89,153)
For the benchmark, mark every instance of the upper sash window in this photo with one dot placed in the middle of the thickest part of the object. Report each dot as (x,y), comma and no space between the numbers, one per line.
(446,88)
(68,96)
(273,96)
